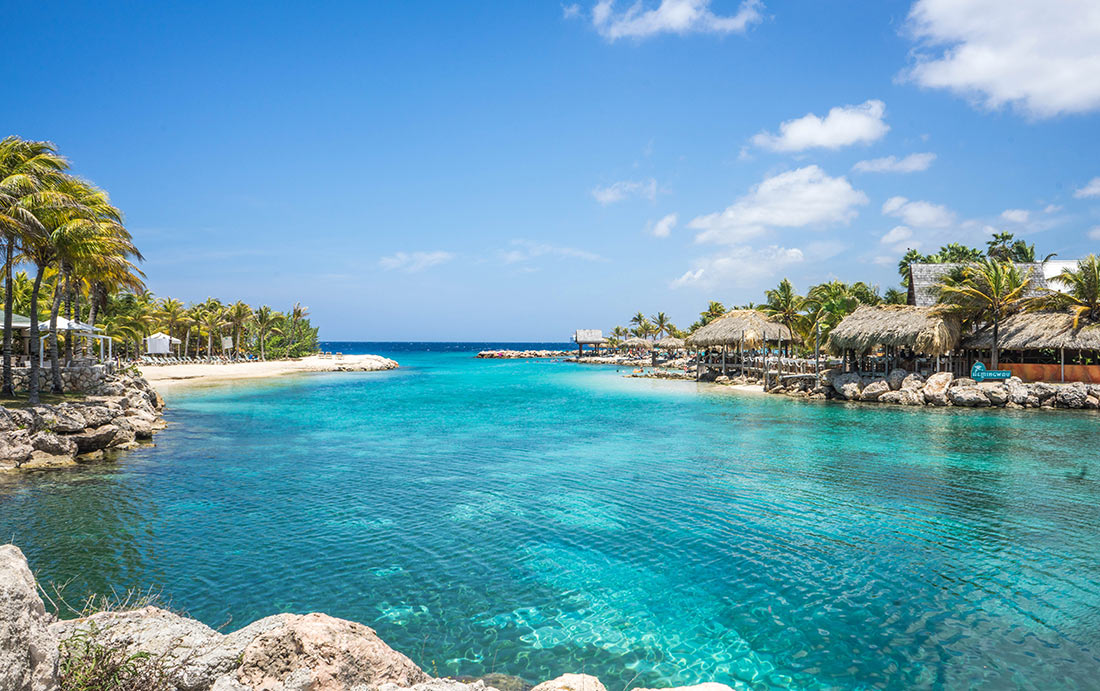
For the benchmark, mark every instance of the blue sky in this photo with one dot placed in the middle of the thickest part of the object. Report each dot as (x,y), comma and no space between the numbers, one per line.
(503,170)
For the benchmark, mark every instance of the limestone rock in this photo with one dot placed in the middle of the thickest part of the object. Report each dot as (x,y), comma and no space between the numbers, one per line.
(1017,391)
(96,415)
(872,391)
(1092,402)
(15,447)
(441,685)
(95,439)
(828,376)
(321,653)
(963,382)
(28,649)
(967,396)
(848,385)
(935,389)
(125,434)
(1072,395)
(995,391)
(912,381)
(895,378)
(1043,391)
(572,682)
(52,444)
(69,419)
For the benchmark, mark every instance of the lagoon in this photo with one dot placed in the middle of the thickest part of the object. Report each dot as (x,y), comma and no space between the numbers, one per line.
(535,518)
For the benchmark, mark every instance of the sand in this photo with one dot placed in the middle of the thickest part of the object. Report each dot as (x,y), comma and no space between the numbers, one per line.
(161,376)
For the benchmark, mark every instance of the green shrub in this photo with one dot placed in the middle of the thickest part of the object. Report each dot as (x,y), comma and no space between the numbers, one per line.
(88,665)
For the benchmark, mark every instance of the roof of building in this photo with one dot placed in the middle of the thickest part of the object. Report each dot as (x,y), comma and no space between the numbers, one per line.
(925,279)
(749,327)
(922,329)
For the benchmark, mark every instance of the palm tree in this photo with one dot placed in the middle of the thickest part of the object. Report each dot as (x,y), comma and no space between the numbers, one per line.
(661,324)
(236,317)
(26,169)
(171,314)
(830,302)
(783,303)
(911,257)
(984,292)
(893,296)
(297,314)
(1082,298)
(267,321)
(211,320)
(638,319)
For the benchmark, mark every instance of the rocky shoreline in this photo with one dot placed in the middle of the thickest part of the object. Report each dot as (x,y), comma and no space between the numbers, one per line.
(121,411)
(284,652)
(942,389)
(521,354)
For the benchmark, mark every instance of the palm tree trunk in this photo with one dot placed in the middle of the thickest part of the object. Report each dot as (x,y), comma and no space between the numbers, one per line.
(9,254)
(187,343)
(55,364)
(92,312)
(69,316)
(263,355)
(996,341)
(32,384)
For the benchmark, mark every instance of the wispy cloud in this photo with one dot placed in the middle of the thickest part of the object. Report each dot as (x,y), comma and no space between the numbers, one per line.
(913,163)
(642,20)
(412,262)
(919,214)
(1092,189)
(1016,215)
(663,228)
(842,126)
(618,191)
(739,265)
(521,251)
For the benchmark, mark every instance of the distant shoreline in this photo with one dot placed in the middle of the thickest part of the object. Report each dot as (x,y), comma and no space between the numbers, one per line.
(173,376)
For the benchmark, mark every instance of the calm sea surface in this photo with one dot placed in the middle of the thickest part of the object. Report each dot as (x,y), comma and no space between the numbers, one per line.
(535,518)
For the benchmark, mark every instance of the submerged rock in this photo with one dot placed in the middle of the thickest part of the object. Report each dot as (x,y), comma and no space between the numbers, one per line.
(967,397)
(572,682)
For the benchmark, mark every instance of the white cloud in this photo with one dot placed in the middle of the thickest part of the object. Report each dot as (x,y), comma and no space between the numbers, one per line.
(738,265)
(843,126)
(1016,215)
(1040,57)
(1092,189)
(412,262)
(663,227)
(912,163)
(570,11)
(1095,233)
(618,191)
(794,199)
(896,235)
(526,250)
(671,16)
(919,214)
(1052,209)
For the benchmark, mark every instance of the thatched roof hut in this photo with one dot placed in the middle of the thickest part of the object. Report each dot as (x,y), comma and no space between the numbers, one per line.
(670,343)
(637,344)
(925,280)
(1038,330)
(751,325)
(921,329)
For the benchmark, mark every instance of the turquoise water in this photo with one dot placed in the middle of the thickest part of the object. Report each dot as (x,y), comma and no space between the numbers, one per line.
(534,518)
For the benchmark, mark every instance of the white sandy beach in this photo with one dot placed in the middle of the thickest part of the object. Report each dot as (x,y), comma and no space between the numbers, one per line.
(162,376)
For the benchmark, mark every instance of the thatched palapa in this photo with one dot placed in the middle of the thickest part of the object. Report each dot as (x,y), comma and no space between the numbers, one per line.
(1039,330)
(921,329)
(752,327)
(670,343)
(637,344)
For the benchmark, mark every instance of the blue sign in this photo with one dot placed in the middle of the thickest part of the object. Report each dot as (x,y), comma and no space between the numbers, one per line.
(979,373)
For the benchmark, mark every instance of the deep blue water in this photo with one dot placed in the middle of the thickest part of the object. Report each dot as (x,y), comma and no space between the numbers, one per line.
(540,517)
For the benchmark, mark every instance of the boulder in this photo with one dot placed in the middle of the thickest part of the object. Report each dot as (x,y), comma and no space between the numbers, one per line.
(913,381)
(830,375)
(848,385)
(69,418)
(7,422)
(50,443)
(96,415)
(1017,391)
(872,391)
(895,378)
(442,685)
(28,649)
(995,391)
(321,653)
(721,379)
(1092,402)
(142,426)
(15,447)
(963,382)
(903,397)
(1072,395)
(967,397)
(935,389)
(1043,391)
(125,434)
(572,682)
(95,439)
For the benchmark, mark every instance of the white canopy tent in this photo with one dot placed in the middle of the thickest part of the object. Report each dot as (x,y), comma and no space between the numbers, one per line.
(72,327)
(160,344)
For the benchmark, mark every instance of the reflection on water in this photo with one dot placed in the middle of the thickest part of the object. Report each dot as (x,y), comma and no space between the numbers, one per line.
(536,518)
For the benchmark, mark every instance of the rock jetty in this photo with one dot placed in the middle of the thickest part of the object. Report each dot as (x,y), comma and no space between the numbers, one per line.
(521,354)
(121,411)
(284,652)
(942,389)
